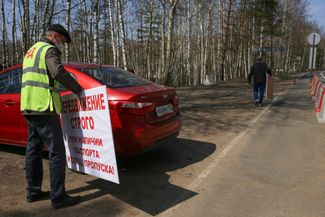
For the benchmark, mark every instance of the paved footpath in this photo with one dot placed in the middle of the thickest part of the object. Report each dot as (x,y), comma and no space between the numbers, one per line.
(275,168)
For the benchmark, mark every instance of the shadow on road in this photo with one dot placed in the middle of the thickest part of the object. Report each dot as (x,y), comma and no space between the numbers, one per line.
(144,182)
(12,149)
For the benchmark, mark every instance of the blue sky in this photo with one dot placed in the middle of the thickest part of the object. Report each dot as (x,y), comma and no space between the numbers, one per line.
(317,11)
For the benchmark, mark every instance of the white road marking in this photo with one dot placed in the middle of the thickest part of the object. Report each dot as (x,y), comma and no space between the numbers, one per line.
(228,148)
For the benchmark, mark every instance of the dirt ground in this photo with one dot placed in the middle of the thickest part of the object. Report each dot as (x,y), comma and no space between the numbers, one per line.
(155,181)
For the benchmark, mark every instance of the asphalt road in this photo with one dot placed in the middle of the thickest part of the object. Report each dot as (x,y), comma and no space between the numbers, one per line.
(275,168)
(231,159)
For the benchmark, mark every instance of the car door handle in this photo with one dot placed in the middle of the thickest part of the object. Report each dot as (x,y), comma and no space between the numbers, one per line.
(10,103)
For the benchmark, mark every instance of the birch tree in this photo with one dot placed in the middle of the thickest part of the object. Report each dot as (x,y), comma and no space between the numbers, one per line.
(26,26)
(96,30)
(172,8)
(15,53)
(188,51)
(225,40)
(112,30)
(4,35)
(122,33)
(162,65)
(67,25)
(43,22)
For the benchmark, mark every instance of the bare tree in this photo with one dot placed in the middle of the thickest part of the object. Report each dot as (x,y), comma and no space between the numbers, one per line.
(117,34)
(96,30)
(67,24)
(176,42)
(46,9)
(26,26)
(50,14)
(15,53)
(188,51)
(172,8)
(35,26)
(161,68)
(225,40)
(4,35)
(112,30)
(122,33)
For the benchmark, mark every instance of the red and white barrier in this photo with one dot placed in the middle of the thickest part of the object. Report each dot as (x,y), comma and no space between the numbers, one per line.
(320,112)
(315,88)
(317,91)
(314,82)
(318,96)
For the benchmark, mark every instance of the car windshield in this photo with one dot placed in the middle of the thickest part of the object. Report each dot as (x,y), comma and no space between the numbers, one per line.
(114,77)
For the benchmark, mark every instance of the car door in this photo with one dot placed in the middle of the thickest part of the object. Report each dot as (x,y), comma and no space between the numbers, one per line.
(10,115)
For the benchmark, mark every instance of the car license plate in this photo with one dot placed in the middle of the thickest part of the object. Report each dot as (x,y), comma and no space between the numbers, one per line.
(164,109)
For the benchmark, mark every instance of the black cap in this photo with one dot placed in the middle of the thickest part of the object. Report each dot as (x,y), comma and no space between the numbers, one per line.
(60,29)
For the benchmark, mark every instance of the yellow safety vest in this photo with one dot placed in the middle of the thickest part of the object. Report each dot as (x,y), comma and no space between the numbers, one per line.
(36,92)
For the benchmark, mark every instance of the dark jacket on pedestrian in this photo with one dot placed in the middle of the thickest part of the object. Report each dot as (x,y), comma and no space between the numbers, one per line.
(56,71)
(258,72)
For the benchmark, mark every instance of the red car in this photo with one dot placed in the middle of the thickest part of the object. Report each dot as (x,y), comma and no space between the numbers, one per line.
(142,112)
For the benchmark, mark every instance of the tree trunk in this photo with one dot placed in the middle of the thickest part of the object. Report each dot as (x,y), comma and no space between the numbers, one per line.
(96,30)
(122,33)
(4,36)
(87,33)
(26,26)
(105,58)
(225,41)
(172,8)
(15,54)
(201,41)
(67,24)
(161,69)
(188,52)
(148,49)
(49,22)
(220,36)
(112,30)
(34,30)
(207,51)
(44,17)
(117,35)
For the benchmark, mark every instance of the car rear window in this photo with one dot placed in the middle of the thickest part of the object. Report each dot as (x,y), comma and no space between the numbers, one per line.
(115,77)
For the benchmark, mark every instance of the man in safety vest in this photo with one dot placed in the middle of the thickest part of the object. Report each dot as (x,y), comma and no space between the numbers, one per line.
(43,72)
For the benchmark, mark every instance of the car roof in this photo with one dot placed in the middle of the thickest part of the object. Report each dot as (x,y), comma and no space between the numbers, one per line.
(75,65)
(79,65)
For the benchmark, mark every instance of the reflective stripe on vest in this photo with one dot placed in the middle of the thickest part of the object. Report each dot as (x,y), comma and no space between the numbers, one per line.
(36,92)
(40,84)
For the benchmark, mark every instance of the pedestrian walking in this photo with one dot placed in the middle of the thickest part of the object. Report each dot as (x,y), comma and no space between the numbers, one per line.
(258,72)
(43,72)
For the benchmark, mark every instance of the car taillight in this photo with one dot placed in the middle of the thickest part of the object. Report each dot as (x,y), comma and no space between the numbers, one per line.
(135,107)
(175,100)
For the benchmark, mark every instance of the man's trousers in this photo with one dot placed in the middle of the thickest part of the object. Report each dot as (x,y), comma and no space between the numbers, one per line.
(259,90)
(45,130)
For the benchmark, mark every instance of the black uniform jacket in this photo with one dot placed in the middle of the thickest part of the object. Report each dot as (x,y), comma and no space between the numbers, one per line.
(258,72)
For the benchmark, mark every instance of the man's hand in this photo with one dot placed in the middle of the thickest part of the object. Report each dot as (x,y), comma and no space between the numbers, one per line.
(82,94)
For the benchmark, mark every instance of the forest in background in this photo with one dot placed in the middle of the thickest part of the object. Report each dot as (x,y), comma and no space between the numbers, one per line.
(171,42)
